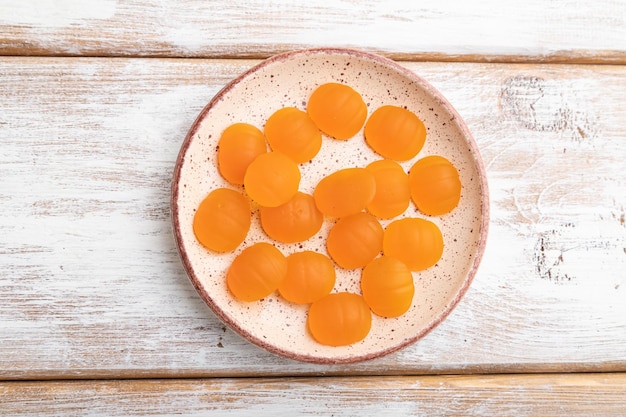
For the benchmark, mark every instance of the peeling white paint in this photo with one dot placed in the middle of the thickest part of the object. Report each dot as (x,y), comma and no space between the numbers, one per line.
(92,283)
(221,27)
(55,13)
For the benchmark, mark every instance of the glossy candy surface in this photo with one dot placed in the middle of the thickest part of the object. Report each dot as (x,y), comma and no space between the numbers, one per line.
(292,132)
(238,146)
(416,242)
(393,194)
(344,192)
(222,220)
(256,272)
(435,185)
(395,133)
(295,221)
(338,110)
(339,319)
(310,276)
(387,286)
(272,179)
(355,240)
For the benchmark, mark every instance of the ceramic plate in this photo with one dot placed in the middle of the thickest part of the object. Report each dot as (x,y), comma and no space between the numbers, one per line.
(288,80)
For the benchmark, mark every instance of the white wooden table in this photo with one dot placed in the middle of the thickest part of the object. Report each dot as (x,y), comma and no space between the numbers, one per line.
(97,315)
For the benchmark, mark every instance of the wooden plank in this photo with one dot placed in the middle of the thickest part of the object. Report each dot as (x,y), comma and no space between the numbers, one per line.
(500,395)
(492,30)
(91,284)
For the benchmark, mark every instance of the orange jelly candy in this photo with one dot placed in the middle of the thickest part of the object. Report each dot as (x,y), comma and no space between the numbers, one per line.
(293,133)
(295,221)
(416,242)
(393,194)
(387,286)
(272,179)
(344,192)
(435,185)
(339,319)
(338,110)
(355,240)
(310,276)
(256,272)
(238,146)
(222,220)
(395,133)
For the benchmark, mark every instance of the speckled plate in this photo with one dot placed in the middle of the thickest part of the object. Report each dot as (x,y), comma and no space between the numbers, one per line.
(288,80)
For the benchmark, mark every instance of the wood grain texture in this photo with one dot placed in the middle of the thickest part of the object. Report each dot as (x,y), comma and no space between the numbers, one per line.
(91,284)
(499,395)
(492,30)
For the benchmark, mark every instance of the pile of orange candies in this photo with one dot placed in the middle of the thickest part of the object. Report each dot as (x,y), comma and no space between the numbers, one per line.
(356,198)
